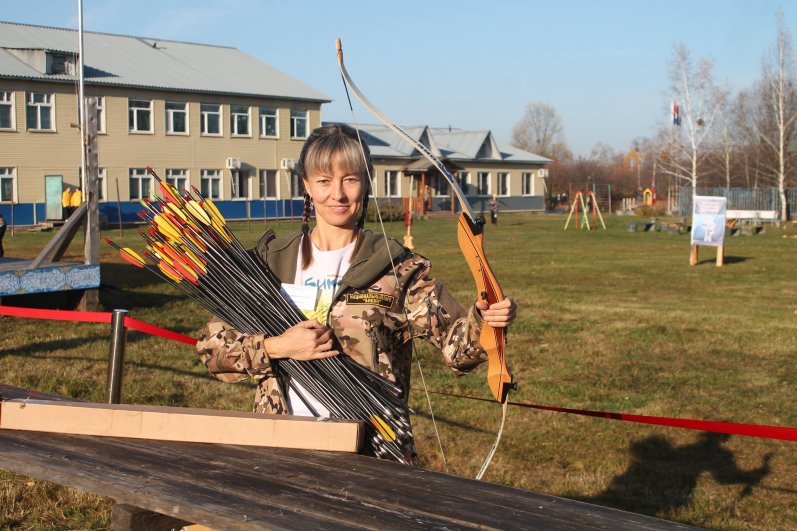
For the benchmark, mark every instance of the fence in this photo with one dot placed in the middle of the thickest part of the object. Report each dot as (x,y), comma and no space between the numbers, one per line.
(763,198)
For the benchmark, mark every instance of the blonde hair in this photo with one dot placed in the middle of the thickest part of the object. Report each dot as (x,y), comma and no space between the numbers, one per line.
(329,148)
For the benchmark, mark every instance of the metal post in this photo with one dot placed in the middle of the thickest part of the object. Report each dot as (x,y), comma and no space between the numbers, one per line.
(116,357)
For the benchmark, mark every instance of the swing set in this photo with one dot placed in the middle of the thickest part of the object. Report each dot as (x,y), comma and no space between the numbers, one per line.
(580,203)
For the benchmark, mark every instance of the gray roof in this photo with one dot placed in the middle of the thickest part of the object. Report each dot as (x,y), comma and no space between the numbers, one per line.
(444,143)
(122,60)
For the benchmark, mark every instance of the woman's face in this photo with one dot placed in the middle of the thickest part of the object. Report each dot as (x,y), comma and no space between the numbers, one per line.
(336,196)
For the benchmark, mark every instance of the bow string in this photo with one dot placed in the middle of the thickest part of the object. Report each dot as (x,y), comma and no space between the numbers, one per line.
(470,230)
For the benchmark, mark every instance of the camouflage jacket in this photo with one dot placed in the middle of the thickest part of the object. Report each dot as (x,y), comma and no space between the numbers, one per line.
(375,314)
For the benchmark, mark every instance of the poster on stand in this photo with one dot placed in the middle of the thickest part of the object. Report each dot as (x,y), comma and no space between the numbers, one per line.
(708,221)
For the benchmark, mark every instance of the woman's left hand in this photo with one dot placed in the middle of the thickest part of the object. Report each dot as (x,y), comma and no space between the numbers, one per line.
(498,315)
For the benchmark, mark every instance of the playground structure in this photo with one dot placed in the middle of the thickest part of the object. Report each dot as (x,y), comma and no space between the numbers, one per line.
(579,203)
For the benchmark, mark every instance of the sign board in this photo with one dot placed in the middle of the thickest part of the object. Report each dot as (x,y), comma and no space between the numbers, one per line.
(708,221)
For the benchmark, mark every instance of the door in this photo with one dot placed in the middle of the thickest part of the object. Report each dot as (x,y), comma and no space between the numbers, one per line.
(53,189)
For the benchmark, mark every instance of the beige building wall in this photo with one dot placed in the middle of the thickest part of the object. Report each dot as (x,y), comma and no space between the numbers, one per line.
(35,154)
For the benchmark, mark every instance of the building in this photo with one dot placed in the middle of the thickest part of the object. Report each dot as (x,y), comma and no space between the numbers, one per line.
(481,167)
(206,116)
(202,115)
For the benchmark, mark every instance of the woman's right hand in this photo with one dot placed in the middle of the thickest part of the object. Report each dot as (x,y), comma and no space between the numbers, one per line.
(308,340)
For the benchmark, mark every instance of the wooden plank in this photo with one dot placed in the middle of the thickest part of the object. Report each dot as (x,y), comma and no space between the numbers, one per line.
(180,424)
(59,243)
(233,487)
(237,487)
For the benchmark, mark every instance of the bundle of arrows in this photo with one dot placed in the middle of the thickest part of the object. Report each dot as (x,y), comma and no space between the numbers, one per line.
(189,245)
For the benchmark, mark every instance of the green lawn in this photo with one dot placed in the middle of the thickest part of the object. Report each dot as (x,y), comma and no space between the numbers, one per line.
(609,320)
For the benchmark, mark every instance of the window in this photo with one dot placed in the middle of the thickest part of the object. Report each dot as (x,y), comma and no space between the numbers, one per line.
(527,180)
(463,180)
(101,183)
(176,118)
(268,184)
(177,178)
(269,126)
(39,111)
(210,115)
(483,185)
(100,113)
(7,110)
(139,116)
(391,184)
(239,184)
(140,183)
(297,185)
(503,184)
(210,184)
(239,120)
(298,124)
(7,185)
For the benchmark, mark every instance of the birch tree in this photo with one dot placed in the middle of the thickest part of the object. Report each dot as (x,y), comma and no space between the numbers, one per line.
(699,100)
(779,107)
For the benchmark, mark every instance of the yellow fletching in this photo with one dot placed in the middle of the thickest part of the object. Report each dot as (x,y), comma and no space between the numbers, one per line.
(221,230)
(211,209)
(383,428)
(177,211)
(134,255)
(169,272)
(197,212)
(167,228)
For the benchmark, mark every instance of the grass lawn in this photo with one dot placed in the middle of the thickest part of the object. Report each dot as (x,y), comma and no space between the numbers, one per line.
(609,320)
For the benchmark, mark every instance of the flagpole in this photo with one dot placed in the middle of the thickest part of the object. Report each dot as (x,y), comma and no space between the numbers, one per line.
(82,104)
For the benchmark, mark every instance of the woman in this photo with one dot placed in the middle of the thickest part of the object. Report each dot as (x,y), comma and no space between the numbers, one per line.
(370,292)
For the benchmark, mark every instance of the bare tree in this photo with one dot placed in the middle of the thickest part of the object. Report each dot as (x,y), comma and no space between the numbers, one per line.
(540,131)
(699,100)
(779,103)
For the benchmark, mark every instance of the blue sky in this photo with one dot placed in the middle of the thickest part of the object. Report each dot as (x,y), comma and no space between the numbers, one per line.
(467,64)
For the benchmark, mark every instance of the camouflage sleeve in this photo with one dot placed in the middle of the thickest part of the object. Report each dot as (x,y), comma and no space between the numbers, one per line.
(435,315)
(230,355)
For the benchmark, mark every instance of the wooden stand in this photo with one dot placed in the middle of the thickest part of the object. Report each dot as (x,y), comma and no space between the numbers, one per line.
(720,255)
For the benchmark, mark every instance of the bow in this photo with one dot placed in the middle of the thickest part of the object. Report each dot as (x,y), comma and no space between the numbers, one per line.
(469,235)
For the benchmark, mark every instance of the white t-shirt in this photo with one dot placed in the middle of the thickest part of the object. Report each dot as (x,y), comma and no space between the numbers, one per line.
(324,274)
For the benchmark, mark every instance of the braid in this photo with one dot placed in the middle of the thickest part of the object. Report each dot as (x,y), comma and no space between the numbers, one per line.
(307,248)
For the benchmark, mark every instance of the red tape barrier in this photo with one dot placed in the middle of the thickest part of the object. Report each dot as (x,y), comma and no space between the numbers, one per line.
(94,317)
(732,428)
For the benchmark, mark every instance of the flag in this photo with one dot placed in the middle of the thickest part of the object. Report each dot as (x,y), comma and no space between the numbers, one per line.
(676,113)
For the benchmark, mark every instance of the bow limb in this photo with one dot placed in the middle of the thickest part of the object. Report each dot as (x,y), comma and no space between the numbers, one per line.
(469,235)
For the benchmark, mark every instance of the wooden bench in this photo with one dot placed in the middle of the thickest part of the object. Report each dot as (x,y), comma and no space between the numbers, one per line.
(753,217)
(237,487)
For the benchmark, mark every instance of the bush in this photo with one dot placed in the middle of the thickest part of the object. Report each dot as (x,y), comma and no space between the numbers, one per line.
(391,210)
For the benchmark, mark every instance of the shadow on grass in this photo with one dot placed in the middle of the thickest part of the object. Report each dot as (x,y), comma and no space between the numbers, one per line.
(449,422)
(662,477)
(726,260)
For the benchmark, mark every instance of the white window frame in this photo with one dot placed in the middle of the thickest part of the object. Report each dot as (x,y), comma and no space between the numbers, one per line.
(203,119)
(295,119)
(133,116)
(170,117)
(237,177)
(235,114)
(175,175)
(463,180)
(7,99)
(8,173)
(48,103)
(100,114)
(527,182)
(508,176)
(263,189)
(140,175)
(211,176)
(264,115)
(479,176)
(101,180)
(392,180)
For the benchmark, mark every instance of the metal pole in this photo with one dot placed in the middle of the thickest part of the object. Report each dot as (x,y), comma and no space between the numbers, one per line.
(116,357)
